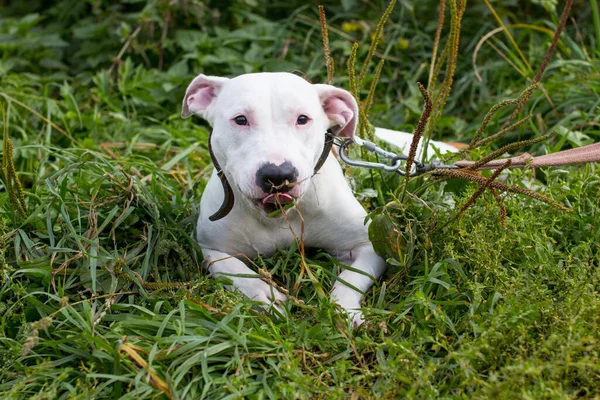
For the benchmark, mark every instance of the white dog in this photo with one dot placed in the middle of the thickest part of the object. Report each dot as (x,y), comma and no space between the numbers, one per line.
(268,139)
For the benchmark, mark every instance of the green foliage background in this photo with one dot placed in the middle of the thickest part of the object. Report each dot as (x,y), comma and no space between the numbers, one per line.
(91,94)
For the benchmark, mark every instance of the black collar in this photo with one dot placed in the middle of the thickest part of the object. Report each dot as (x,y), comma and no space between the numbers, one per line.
(229,199)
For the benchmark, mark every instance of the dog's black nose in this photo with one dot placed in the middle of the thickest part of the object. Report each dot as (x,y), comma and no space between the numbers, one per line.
(273,178)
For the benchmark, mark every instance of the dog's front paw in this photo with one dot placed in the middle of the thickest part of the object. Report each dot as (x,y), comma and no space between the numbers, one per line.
(349,300)
(356,316)
(260,291)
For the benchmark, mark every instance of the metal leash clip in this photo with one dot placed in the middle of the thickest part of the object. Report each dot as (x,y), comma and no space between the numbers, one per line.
(396,161)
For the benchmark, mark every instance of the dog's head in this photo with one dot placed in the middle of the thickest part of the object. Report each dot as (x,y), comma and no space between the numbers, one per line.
(269,129)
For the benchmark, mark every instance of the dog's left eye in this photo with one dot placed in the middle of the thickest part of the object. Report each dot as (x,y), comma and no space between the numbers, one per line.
(302,120)
(241,120)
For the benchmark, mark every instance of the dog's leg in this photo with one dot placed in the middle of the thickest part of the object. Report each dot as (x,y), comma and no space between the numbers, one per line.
(367,267)
(224,265)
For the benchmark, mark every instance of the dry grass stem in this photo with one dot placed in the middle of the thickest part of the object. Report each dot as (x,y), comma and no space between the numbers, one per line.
(503,132)
(482,189)
(133,352)
(538,76)
(500,203)
(418,133)
(327,51)
(117,59)
(371,95)
(449,56)
(470,176)
(40,116)
(452,46)
(509,147)
(509,35)
(173,285)
(352,71)
(488,117)
(436,43)
(14,187)
(375,41)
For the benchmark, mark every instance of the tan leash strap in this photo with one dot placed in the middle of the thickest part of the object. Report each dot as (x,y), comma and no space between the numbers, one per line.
(579,155)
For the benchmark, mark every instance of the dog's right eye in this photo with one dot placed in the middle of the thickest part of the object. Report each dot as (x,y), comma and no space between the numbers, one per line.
(241,120)
(302,120)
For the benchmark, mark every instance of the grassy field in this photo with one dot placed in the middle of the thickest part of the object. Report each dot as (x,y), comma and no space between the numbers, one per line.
(102,294)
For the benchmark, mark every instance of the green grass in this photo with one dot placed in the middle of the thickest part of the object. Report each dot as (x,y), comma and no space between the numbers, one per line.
(466,309)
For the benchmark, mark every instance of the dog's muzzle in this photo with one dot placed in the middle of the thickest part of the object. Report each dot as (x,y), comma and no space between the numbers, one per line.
(273,178)
(276,181)
(270,179)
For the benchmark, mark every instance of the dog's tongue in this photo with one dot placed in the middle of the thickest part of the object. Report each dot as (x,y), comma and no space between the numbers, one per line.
(276,198)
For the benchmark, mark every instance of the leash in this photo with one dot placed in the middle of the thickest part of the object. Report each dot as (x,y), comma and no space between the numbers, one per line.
(580,155)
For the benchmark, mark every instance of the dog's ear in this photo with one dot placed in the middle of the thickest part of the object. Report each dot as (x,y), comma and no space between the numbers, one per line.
(201,94)
(341,109)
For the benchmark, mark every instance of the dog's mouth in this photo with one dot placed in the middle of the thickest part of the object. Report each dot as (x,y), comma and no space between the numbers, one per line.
(275,201)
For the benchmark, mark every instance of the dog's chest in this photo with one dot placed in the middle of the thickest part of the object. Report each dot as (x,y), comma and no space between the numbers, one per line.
(267,241)
(251,236)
